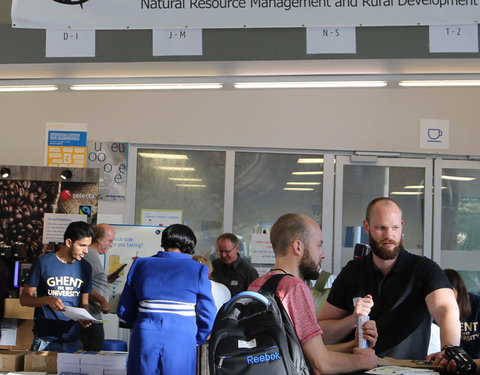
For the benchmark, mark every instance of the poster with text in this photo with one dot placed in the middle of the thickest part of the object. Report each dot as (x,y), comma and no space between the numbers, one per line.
(131,242)
(111,159)
(161,217)
(261,249)
(66,145)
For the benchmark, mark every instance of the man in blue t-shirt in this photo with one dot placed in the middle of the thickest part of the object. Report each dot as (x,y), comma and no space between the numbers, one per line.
(57,280)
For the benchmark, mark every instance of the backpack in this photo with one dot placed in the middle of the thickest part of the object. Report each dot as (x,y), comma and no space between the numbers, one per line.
(253,335)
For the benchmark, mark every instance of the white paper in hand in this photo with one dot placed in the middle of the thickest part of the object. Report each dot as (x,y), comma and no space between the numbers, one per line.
(79,313)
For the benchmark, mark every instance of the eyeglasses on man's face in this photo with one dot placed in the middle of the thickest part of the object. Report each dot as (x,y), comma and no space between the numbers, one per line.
(226,251)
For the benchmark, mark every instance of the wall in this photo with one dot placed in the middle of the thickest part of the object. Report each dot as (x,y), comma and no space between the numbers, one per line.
(335,119)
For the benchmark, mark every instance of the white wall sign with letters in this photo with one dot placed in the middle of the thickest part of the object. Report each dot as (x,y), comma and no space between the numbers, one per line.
(331,40)
(177,42)
(70,43)
(453,38)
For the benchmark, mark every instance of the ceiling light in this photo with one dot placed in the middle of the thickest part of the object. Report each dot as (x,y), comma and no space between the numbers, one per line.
(299,189)
(185,179)
(147,86)
(189,169)
(307,173)
(303,183)
(192,185)
(414,187)
(457,178)
(5,172)
(309,160)
(66,174)
(439,83)
(305,85)
(162,156)
(406,193)
(23,88)
(375,153)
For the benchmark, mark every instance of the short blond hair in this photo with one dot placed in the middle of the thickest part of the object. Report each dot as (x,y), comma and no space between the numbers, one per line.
(203,260)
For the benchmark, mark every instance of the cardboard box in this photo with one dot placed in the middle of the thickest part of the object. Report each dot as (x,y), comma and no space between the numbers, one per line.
(41,361)
(14,310)
(24,316)
(12,360)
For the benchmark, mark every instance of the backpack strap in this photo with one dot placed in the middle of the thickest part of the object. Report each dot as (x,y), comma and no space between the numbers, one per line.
(270,286)
(299,363)
(322,281)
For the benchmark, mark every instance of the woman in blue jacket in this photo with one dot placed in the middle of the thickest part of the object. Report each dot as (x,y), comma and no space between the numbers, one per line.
(168,300)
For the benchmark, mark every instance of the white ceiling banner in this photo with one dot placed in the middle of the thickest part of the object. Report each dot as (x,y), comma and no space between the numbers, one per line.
(204,14)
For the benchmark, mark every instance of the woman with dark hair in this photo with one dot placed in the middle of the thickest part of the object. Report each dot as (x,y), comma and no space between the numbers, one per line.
(168,300)
(469,306)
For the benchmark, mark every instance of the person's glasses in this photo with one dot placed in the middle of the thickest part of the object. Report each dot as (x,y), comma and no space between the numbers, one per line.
(226,251)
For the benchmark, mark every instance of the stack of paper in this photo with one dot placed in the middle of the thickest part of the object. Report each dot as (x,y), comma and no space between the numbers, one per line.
(400,370)
(115,363)
(104,363)
(68,362)
(93,363)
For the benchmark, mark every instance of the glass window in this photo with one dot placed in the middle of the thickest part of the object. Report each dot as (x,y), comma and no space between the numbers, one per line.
(191,182)
(472,280)
(460,209)
(363,183)
(268,185)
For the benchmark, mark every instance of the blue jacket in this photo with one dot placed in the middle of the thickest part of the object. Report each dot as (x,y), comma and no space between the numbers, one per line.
(171,286)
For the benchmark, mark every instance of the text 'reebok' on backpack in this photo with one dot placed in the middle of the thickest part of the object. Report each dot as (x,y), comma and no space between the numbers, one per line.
(253,334)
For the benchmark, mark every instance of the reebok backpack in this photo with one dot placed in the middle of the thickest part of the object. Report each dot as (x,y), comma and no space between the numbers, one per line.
(253,335)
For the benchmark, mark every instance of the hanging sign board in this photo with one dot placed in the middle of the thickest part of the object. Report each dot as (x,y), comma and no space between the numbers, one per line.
(202,14)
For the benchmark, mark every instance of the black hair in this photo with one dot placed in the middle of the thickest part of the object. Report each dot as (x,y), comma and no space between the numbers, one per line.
(77,230)
(463,299)
(179,236)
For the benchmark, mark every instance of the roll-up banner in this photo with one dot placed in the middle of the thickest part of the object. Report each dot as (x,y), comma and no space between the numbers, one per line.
(204,14)
(131,242)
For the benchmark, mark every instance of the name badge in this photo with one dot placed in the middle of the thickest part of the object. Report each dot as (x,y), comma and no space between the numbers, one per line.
(234,282)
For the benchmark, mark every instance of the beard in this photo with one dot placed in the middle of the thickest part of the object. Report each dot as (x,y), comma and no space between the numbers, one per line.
(308,269)
(381,251)
(71,254)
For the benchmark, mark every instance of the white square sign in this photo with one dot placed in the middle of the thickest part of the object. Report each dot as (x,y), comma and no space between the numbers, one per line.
(435,134)
(331,40)
(177,42)
(70,43)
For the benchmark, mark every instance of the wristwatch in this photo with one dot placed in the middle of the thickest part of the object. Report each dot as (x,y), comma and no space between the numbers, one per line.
(465,363)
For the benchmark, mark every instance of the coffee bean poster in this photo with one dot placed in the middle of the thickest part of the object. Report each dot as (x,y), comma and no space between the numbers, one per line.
(23,204)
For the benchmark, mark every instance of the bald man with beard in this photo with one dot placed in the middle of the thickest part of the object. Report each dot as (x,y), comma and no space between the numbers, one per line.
(399,290)
(297,242)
